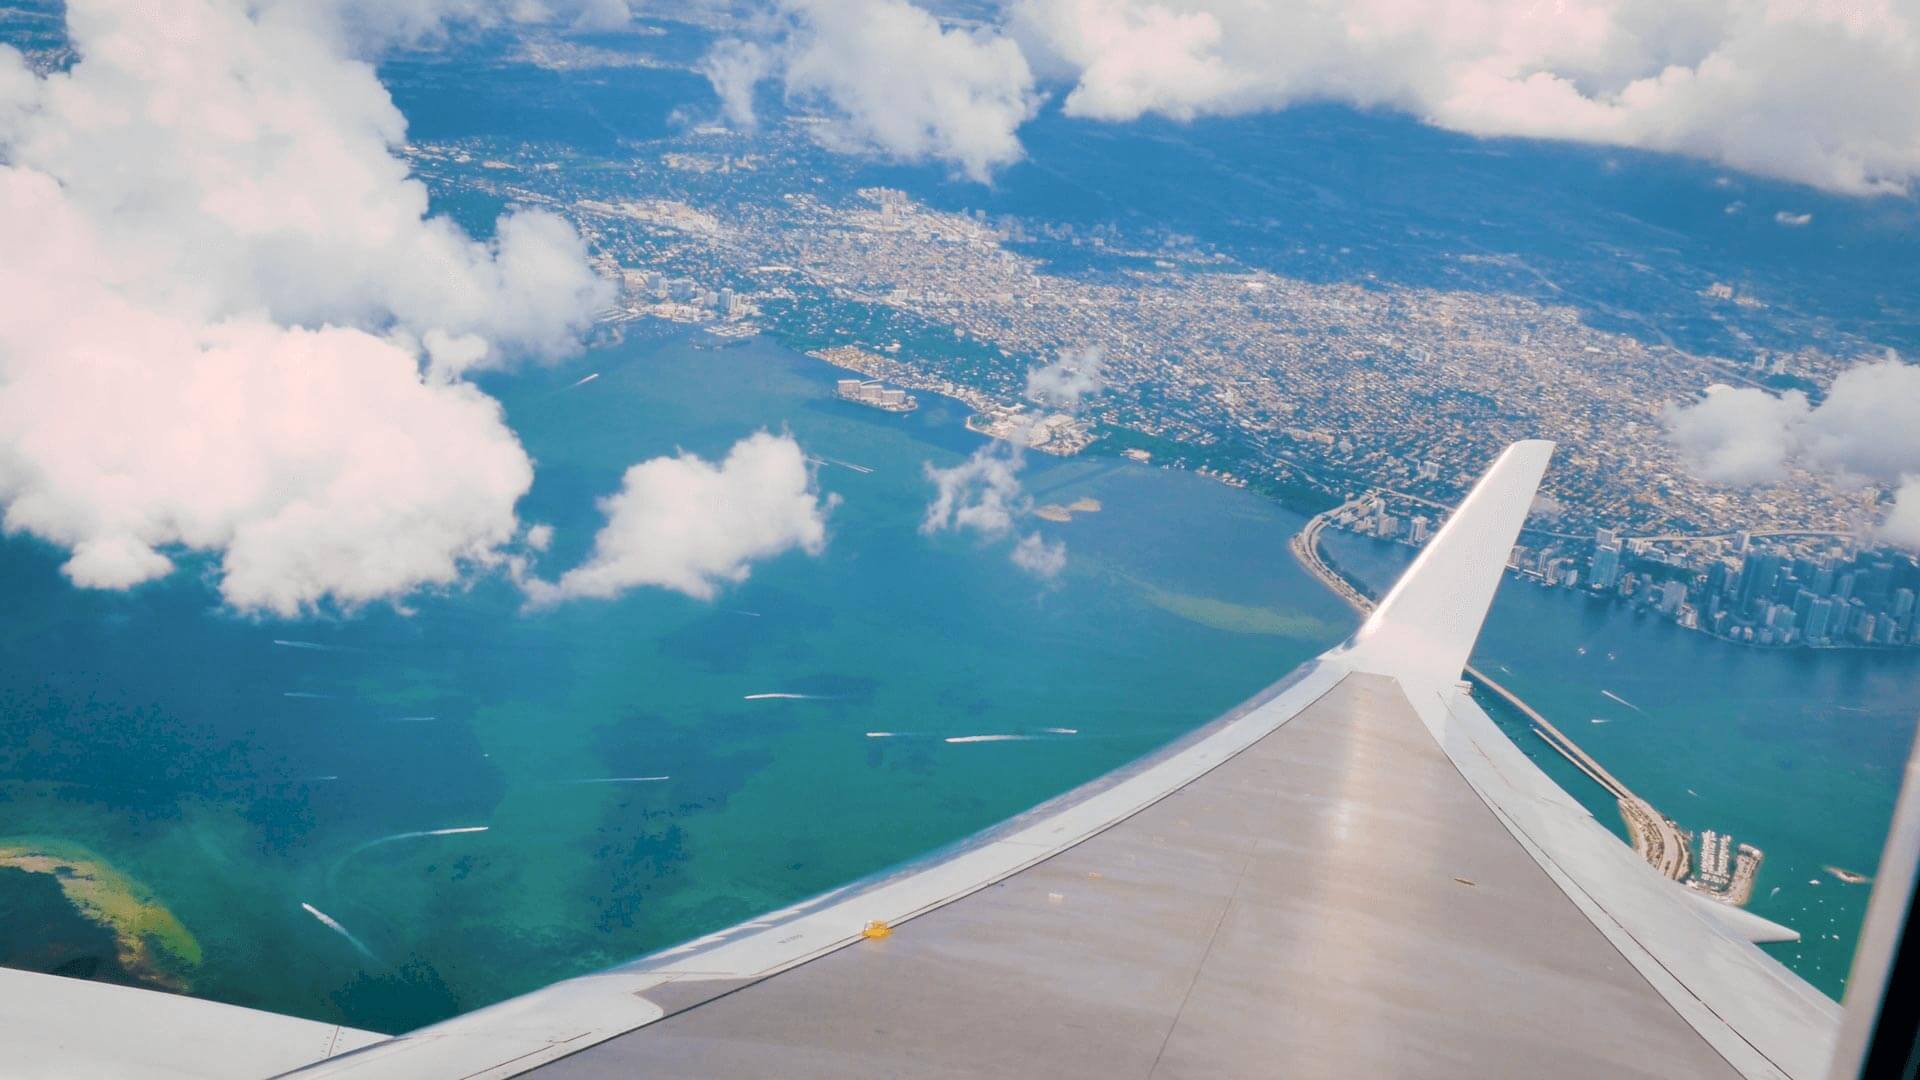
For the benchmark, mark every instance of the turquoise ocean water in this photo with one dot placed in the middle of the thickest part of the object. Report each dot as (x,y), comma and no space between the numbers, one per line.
(242,768)
(240,778)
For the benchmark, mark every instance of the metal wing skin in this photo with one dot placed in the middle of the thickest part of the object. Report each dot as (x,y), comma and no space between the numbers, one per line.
(70,1029)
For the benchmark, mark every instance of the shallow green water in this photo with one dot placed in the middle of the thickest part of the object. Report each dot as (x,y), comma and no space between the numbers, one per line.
(242,778)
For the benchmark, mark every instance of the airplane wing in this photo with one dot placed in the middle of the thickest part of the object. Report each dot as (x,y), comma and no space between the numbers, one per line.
(70,1029)
(1354,872)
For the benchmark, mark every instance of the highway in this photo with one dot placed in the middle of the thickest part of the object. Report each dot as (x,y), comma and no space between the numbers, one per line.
(1657,839)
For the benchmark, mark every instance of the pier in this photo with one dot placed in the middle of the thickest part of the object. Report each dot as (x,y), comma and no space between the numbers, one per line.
(1658,840)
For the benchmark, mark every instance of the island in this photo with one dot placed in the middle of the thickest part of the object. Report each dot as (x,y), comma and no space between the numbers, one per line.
(1058,512)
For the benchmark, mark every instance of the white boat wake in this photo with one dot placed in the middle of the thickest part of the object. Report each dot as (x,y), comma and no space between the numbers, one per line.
(861,469)
(415,835)
(459,830)
(788,697)
(311,646)
(1616,697)
(333,924)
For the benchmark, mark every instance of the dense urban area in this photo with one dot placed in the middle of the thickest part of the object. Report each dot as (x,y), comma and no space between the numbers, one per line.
(1316,393)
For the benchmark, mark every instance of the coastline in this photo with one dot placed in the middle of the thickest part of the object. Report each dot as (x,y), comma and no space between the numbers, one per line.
(152,944)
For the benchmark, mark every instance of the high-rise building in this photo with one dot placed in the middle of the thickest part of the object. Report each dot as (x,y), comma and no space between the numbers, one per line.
(1802,603)
(1873,584)
(1757,578)
(1719,577)
(1804,569)
(1604,572)
(1672,594)
(1846,616)
(1819,618)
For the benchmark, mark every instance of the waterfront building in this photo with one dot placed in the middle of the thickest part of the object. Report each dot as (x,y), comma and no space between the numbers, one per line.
(1604,571)
(1757,578)
(1802,604)
(1672,593)
(1819,615)
(1783,590)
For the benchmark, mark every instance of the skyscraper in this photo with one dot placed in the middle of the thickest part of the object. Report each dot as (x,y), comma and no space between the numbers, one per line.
(1605,569)
(1819,616)
(1757,578)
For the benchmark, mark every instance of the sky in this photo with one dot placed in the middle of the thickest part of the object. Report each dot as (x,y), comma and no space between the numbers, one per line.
(235,328)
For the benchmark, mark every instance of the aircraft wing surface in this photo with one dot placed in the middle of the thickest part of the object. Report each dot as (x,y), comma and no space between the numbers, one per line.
(71,1029)
(1355,872)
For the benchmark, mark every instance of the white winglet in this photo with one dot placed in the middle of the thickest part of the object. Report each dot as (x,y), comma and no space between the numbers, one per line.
(1424,630)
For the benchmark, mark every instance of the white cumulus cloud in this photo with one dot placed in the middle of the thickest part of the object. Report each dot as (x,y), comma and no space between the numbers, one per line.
(1903,519)
(1863,430)
(232,325)
(983,495)
(1737,435)
(736,69)
(1825,94)
(893,79)
(686,524)
(1068,379)
(1040,557)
